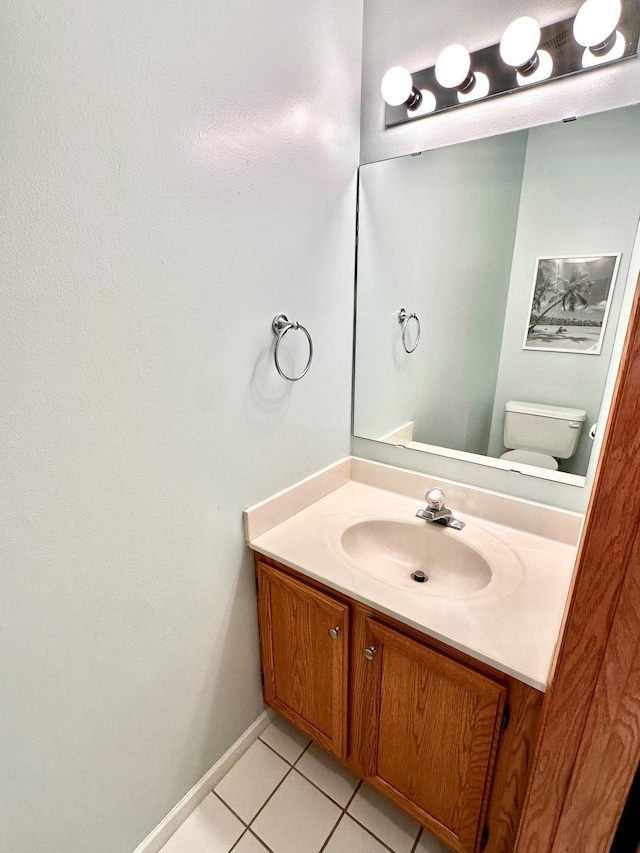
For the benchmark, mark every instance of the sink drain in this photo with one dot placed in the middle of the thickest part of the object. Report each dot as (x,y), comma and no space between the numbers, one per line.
(419,577)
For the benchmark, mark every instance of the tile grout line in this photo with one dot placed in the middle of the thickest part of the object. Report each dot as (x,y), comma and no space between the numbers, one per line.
(275,751)
(242,820)
(417,841)
(238,840)
(292,767)
(227,806)
(260,841)
(308,746)
(287,774)
(318,788)
(268,800)
(355,791)
(362,826)
(371,833)
(295,767)
(247,826)
(342,814)
(328,838)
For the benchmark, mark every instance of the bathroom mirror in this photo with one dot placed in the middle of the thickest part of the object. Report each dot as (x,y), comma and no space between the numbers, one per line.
(491,277)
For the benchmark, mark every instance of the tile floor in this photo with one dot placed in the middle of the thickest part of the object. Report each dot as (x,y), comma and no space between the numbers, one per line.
(286,795)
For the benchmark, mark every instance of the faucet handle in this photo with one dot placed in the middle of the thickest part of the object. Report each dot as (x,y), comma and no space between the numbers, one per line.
(435,499)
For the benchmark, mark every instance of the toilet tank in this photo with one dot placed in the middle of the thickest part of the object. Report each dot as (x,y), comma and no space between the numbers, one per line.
(554,430)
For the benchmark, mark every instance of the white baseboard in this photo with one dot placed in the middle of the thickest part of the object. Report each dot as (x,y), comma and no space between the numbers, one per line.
(159,836)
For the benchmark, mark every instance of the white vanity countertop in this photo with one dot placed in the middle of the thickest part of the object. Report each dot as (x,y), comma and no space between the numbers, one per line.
(514,632)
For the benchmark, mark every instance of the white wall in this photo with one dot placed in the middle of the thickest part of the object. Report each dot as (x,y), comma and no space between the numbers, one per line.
(436,236)
(412,33)
(580,195)
(173,175)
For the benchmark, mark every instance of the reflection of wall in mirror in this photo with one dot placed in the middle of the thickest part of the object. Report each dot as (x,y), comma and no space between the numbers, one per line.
(580,196)
(436,236)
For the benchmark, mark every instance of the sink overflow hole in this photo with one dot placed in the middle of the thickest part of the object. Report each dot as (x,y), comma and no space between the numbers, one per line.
(419,577)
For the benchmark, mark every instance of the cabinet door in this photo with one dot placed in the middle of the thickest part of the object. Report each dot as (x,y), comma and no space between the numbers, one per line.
(434,729)
(304,637)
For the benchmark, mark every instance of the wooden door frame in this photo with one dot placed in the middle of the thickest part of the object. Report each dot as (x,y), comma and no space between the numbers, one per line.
(591,711)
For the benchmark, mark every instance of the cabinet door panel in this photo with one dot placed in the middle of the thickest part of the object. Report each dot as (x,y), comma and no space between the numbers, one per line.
(438,724)
(305,670)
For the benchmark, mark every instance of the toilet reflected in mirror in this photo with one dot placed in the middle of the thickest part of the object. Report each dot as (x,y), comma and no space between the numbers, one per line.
(540,435)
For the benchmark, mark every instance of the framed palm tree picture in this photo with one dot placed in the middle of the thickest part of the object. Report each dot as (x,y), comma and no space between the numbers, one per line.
(570,302)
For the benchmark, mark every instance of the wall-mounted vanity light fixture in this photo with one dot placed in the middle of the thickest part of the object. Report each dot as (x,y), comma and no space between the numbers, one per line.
(453,71)
(602,31)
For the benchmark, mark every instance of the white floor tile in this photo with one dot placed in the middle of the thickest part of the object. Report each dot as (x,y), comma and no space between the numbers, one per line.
(286,739)
(328,774)
(430,844)
(249,844)
(349,837)
(211,828)
(297,819)
(389,823)
(251,781)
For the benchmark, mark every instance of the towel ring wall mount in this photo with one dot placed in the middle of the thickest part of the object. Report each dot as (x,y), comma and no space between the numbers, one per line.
(403,318)
(281,325)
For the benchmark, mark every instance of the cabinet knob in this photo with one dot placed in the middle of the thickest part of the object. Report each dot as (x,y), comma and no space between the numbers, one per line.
(370,652)
(334,633)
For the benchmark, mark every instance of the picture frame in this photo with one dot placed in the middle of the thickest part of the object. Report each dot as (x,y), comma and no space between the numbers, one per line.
(570,303)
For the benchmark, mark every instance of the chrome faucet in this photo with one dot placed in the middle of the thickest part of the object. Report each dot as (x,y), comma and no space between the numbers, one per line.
(437,512)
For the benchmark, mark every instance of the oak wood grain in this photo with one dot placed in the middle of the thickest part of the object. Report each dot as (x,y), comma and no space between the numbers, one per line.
(512,766)
(609,752)
(365,699)
(305,670)
(438,723)
(613,516)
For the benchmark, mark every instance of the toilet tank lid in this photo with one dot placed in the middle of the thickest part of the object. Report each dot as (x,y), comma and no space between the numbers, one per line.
(545,411)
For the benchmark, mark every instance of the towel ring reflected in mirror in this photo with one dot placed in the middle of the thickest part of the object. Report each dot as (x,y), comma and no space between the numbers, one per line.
(281,325)
(403,318)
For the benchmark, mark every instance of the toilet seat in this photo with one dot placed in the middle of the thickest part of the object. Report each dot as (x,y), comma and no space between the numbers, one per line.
(530,457)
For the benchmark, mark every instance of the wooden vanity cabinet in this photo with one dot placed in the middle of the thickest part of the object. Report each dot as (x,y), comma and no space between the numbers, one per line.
(434,728)
(422,723)
(304,644)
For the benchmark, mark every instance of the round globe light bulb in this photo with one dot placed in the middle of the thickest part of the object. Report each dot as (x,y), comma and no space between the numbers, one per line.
(596,21)
(542,72)
(453,66)
(480,90)
(427,105)
(397,86)
(520,41)
(590,60)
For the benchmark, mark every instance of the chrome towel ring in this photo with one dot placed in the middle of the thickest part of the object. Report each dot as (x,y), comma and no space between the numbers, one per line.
(281,326)
(404,317)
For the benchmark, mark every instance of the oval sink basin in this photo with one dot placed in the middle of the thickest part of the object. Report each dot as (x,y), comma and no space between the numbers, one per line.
(456,563)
